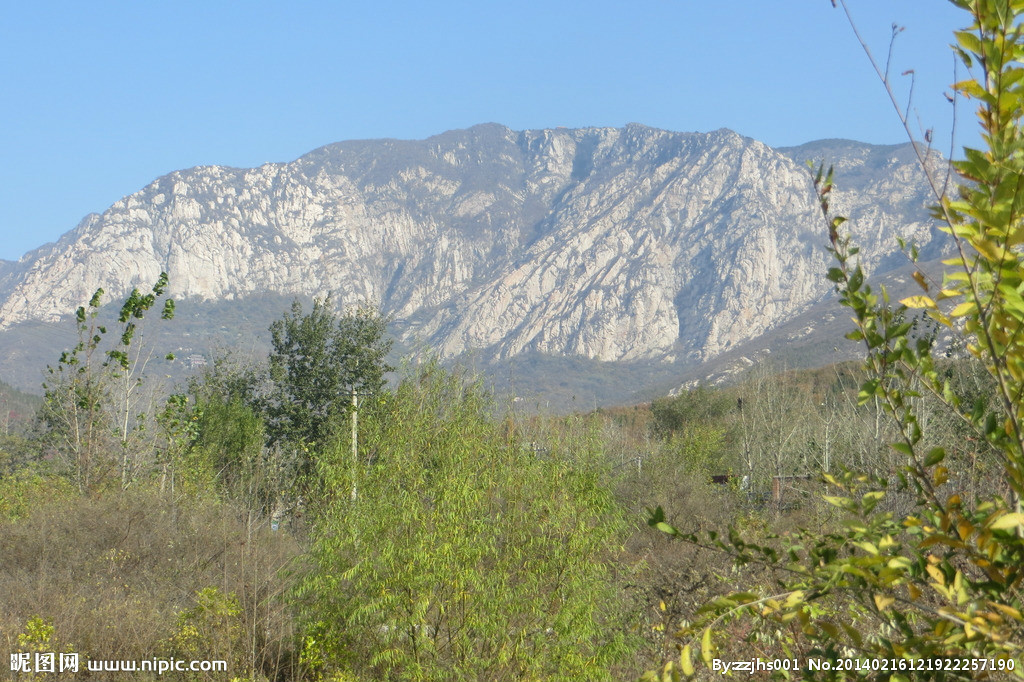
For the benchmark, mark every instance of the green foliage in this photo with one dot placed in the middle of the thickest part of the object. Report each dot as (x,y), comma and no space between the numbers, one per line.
(702,404)
(230,436)
(677,474)
(16,452)
(230,452)
(76,393)
(697,449)
(227,379)
(26,489)
(464,555)
(227,453)
(318,362)
(37,635)
(37,638)
(91,394)
(944,581)
(694,430)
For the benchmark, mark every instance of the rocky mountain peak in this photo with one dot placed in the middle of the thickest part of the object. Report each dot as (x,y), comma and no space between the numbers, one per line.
(608,243)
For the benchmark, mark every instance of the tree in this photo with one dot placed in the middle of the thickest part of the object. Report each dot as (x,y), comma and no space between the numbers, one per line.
(466,556)
(91,407)
(937,593)
(227,451)
(319,361)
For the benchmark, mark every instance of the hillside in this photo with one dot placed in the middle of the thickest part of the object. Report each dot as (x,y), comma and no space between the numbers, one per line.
(600,245)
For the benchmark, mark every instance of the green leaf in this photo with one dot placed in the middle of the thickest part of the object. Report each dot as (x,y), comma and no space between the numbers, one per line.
(934,457)
(1007,521)
(665,528)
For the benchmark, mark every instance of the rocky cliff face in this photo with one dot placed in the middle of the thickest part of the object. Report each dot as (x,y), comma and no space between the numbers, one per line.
(613,244)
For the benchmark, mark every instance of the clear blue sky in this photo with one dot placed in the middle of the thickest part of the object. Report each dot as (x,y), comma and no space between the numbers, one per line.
(100,98)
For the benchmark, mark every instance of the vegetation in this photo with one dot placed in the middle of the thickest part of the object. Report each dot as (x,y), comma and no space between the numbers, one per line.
(458,541)
(94,403)
(465,554)
(320,364)
(930,590)
(300,518)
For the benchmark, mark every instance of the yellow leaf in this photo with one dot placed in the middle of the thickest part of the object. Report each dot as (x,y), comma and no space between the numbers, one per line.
(1008,610)
(992,252)
(882,602)
(794,598)
(964,529)
(918,302)
(955,276)
(962,309)
(705,646)
(970,88)
(686,661)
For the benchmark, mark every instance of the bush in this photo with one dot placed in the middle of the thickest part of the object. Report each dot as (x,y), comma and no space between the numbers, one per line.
(934,593)
(461,553)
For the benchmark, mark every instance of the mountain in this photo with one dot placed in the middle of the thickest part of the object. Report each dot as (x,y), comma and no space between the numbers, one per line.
(611,244)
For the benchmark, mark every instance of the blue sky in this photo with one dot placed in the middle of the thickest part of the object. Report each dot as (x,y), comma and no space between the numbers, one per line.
(101,98)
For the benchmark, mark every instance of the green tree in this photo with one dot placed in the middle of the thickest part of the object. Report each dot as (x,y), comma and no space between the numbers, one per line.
(699,405)
(91,408)
(465,556)
(229,439)
(319,365)
(216,443)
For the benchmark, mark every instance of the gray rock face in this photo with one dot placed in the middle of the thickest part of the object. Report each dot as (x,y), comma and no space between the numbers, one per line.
(613,244)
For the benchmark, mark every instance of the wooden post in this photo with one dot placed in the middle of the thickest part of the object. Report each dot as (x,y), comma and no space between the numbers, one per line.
(355,440)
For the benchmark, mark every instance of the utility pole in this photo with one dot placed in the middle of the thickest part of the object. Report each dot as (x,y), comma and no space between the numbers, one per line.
(355,439)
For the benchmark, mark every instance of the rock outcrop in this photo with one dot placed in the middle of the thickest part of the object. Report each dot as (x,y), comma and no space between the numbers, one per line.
(613,244)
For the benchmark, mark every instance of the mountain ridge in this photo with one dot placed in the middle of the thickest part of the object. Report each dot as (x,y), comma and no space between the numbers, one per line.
(616,244)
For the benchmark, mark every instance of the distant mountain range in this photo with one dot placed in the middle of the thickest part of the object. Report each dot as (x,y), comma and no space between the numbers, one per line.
(624,245)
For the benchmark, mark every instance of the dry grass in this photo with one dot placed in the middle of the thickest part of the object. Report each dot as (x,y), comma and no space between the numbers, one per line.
(114,573)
